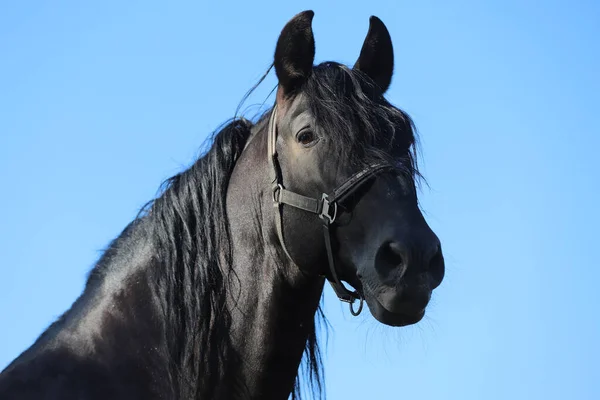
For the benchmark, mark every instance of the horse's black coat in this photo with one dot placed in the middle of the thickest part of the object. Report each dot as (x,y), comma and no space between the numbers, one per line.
(197,300)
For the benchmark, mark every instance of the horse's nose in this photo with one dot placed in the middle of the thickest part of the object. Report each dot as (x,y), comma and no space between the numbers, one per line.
(394,259)
(391,260)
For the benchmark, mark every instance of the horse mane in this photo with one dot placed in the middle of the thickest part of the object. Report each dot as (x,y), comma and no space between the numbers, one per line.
(188,224)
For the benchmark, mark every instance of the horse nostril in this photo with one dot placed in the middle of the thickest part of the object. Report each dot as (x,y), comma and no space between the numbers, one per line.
(392,254)
(390,257)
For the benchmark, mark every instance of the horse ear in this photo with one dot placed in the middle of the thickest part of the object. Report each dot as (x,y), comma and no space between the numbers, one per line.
(377,55)
(295,53)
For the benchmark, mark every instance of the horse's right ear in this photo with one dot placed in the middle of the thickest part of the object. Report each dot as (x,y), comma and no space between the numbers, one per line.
(377,54)
(295,53)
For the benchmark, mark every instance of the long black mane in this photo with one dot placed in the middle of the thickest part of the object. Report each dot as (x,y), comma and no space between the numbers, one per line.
(189,225)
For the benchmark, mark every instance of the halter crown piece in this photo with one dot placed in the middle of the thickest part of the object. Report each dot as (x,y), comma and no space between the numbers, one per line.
(326,208)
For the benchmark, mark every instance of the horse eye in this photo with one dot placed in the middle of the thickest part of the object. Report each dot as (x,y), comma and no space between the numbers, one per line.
(306,137)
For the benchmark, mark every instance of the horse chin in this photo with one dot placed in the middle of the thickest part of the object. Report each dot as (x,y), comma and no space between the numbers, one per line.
(409,316)
(387,317)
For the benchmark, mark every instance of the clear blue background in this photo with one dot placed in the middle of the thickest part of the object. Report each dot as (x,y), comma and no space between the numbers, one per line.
(101,101)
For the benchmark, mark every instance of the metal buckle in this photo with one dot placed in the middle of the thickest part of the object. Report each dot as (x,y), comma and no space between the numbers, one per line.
(325,207)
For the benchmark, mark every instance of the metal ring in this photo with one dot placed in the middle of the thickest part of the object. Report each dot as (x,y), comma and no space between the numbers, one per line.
(277,192)
(332,219)
(360,307)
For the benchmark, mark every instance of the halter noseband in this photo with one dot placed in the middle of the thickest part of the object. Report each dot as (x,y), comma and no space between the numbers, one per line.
(326,208)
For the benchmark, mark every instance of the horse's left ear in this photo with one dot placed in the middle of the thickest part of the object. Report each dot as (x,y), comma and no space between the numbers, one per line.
(377,55)
(295,53)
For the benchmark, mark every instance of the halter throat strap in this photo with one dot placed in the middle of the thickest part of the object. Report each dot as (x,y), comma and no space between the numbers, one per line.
(326,208)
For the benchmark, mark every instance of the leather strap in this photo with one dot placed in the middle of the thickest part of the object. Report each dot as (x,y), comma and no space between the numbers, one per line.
(277,187)
(341,193)
(338,287)
(280,195)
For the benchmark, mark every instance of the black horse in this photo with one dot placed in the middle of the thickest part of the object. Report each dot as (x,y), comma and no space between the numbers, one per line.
(212,292)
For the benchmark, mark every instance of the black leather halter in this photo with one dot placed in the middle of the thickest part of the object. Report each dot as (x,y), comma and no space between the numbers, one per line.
(326,208)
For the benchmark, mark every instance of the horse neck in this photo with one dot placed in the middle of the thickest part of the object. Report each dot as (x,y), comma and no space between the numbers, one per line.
(114,322)
(273,303)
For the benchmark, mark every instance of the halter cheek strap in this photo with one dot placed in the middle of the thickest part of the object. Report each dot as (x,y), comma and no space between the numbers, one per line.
(326,208)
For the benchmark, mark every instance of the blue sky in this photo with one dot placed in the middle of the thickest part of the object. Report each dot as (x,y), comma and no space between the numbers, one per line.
(101,101)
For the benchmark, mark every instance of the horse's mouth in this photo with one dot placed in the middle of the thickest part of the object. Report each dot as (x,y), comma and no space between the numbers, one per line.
(402,314)
(386,317)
